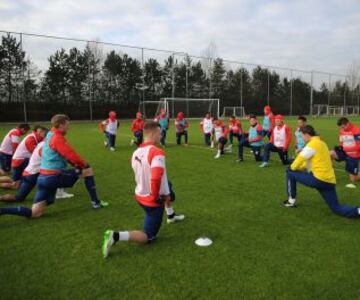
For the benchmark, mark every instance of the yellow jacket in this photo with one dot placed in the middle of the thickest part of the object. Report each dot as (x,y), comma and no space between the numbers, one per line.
(315,157)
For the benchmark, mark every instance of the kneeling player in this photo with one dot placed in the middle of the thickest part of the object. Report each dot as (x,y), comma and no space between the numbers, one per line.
(181,127)
(56,152)
(313,168)
(349,150)
(137,129)
(253,139)
(21,157)
(235,131)
(279,142)
(152,191)
(8,146)
(220,132)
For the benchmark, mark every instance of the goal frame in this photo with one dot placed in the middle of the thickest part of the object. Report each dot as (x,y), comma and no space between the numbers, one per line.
(234,108)
(169,100)
(142,104)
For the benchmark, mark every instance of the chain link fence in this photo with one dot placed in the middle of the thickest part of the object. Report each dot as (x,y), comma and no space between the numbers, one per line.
(43,75)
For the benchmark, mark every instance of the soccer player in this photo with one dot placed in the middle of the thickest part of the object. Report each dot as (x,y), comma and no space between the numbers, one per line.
(220,132)
(313,168)
(56,152)
(299,142)
(152,191)
(21,157)
(109,127)
(9,145)
(253,139)
(268,121)
(206,127)
(137,129)
(279,142)
(181,127)
(164,123)
(235,130)
(349,150)
(29,178)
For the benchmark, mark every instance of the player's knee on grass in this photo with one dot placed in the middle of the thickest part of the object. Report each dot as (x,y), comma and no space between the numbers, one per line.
(87,172)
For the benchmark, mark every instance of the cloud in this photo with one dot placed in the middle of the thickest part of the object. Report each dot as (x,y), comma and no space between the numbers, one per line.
(320,35)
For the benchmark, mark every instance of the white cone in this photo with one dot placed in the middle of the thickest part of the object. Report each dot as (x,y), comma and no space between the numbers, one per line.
(203,242)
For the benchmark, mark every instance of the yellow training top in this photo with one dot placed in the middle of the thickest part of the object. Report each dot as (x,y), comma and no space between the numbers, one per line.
(315,157)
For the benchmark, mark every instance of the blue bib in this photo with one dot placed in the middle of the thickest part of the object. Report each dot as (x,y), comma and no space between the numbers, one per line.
(253,135)
(51,160)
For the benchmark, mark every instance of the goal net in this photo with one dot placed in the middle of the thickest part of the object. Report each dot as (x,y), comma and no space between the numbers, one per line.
(238,111)
(191,107)
(336,111)
(351,110)
(321,110)
(150,109)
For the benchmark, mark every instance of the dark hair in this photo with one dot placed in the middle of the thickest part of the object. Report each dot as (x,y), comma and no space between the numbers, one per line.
(59,119)
(233,117)
(252,116)
(151,125)
(215,118)
(308,129)
(42,128)
(208,113)
(302,118)
(342,121)
(24,126)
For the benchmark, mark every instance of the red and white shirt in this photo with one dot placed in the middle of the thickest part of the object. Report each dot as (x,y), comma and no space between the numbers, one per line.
(207,125)
(281,137)
(110,126)
(235,126)
(25,149)
(11,141)
(148,163)
(350,140)
(220,130)
(35,160)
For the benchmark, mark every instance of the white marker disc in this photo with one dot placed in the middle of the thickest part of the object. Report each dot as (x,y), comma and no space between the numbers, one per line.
(203,242)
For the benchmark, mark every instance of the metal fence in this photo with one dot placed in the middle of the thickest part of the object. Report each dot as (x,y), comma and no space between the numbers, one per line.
(41,75)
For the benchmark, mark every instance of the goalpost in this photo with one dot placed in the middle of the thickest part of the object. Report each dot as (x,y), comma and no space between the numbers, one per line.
(238,111)
(192,107)
(150,109)
(334,110)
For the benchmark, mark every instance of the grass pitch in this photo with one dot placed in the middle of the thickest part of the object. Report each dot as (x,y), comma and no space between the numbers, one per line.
(261,250)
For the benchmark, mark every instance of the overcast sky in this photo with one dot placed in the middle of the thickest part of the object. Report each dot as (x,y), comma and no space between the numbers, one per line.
(320,35)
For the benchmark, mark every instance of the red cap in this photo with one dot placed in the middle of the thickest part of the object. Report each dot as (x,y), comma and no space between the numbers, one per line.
(180,115)
(279,118)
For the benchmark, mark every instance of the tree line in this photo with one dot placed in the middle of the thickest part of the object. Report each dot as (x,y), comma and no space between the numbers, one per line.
(116,80)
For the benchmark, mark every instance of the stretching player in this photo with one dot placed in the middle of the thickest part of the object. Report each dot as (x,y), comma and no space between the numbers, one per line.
(164,123)
(56,152)
(268,121)
(319,174)
(235,130)
(29,178)
(220,132)
(299,142)
(279,142)
(152,192)
(21,157)
(137,129)
(253,139)
(206,127)
(9,145)
(181,127)
(349,150)
(109,127)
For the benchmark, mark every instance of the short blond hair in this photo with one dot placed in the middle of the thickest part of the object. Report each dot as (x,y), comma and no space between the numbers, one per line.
(59,119)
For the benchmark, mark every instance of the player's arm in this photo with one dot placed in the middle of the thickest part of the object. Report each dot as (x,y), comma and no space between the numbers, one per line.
(287,138)
(272,137)
(300,161)
(60,145)
(30,144)
(201,126)
(225,131)
(157,167)
(133,127)
(15,141)
(102,126)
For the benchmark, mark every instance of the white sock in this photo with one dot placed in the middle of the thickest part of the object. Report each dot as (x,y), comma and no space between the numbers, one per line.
(219,152)
(124,235)
(169,210)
